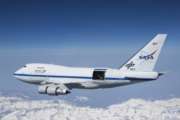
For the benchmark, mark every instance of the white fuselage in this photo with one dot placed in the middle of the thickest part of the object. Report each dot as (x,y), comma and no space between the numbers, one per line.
(88,77)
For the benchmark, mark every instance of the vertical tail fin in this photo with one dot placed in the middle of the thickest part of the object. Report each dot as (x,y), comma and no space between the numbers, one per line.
(146,58)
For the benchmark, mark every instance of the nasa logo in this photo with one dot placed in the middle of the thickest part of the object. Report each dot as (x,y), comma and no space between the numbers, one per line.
(148,57)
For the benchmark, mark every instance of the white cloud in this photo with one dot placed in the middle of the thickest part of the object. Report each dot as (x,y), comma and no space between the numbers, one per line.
(13,108)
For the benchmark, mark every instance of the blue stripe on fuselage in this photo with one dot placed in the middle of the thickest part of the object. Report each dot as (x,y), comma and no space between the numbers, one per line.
(58,76)
(79,77)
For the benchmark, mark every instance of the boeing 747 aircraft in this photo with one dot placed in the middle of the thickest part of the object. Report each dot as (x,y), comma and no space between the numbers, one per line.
(59,80)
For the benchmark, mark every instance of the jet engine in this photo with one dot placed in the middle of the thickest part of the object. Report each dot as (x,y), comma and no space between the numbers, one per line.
(53,90)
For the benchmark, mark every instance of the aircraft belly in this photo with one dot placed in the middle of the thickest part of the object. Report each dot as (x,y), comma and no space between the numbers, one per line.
(68,80)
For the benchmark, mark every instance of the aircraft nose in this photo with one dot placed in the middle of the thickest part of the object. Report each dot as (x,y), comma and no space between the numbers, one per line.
(17,73)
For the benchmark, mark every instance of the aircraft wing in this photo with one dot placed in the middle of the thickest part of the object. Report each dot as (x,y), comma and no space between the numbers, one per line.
(61,86)
(67,85)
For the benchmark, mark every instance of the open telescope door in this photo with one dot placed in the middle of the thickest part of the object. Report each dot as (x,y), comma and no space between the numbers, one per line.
(99,74)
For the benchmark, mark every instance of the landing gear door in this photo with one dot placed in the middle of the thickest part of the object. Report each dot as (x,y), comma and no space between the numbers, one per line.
(98,74)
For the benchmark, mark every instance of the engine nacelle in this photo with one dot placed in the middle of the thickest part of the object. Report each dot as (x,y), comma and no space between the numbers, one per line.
(42,89)
(53,90)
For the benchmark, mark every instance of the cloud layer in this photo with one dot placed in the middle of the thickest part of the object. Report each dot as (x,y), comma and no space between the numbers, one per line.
(16,108)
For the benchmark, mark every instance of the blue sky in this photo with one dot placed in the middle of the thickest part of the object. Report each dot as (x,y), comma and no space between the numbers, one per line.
(58,23)
(89,33)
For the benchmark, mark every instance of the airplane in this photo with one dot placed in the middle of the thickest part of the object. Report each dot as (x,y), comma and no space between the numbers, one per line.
(60,80)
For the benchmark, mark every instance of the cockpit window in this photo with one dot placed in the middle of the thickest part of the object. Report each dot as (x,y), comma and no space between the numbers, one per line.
(24,66)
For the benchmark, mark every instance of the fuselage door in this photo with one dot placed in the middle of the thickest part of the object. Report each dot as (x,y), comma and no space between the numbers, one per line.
(99,74)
